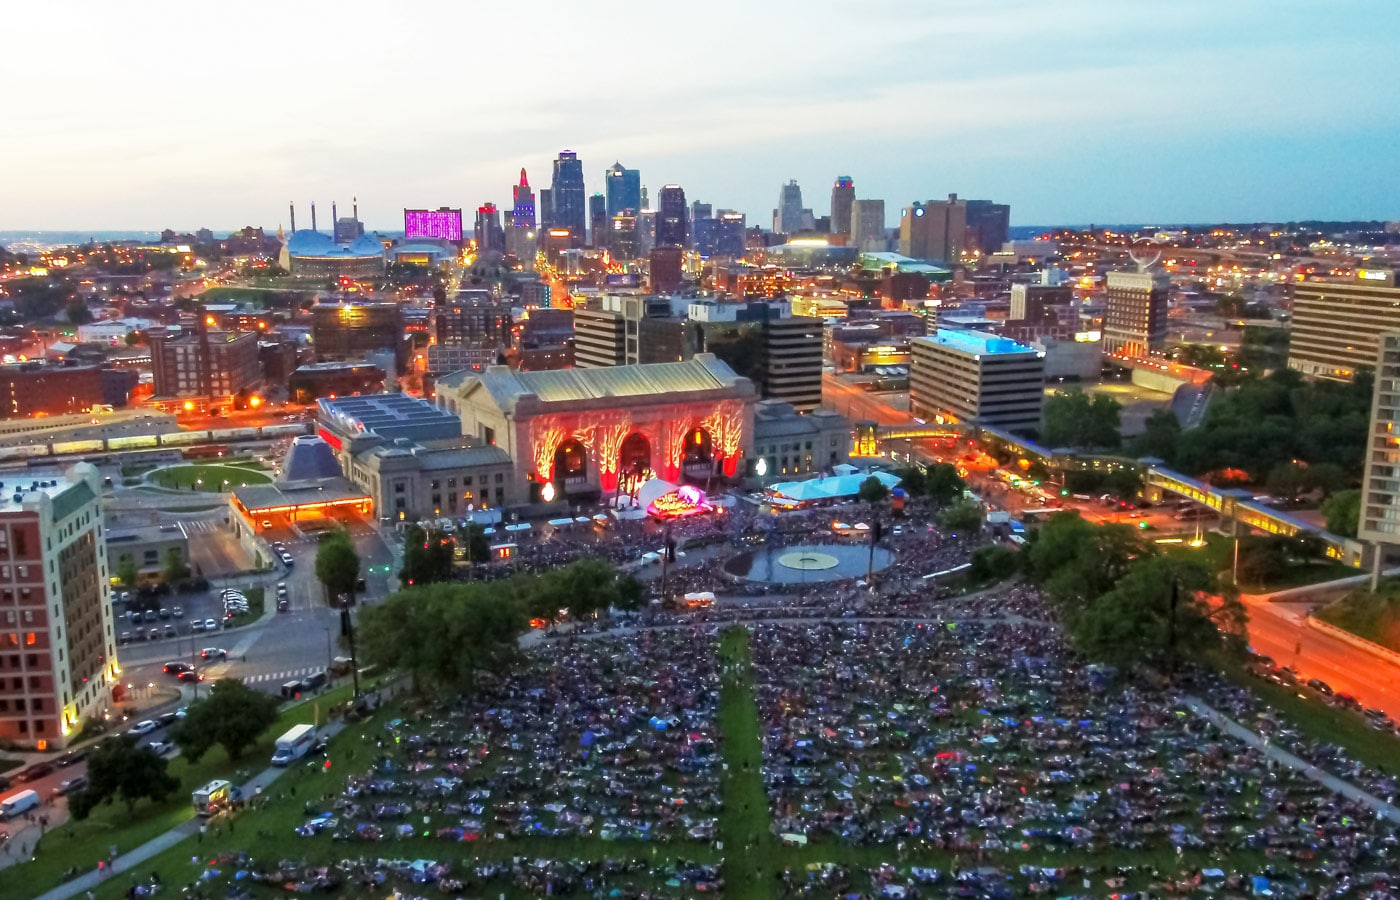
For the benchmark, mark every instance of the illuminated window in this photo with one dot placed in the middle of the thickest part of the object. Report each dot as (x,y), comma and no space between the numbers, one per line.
(30,639)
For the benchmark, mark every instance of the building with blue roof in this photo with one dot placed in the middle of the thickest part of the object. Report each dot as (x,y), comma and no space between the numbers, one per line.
(309,253)
(976,378)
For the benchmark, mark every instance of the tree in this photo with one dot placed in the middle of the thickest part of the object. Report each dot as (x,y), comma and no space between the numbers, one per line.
(127,573)
(1327,477)
(233,716)
(176,569)
(78,313)
(443,634)
(337,566)
(1287,480)
(1343,512)
(1075,419)
(631,593)
(872,490)
(943,484)
(134,338)
(1159,438)
(993,563)
(478,546)
(585,588)
(427,556)
(963,517)
(1077,561)
(1261,558)
(1159,609)
(120,769)
(913,480)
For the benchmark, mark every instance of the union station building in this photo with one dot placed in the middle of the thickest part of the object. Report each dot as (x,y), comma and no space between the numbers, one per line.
(588,432)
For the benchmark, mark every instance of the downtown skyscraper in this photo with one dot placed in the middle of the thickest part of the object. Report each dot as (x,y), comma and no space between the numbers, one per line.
(787,218)
(843,194)
(568,198)
(520,239)
(623,189)
(672,218)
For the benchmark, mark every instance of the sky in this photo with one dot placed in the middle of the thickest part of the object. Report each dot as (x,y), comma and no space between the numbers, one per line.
(182,115)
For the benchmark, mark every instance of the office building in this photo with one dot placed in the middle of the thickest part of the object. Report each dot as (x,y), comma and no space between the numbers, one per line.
(787,218)
(666,268)
(58,648)
(973,378)
(204,363)
(598,220)
(490,235)
(520,237)
(935,231)
(599,336)
(443,223)
(1135,314)
(779,352)
(351,332)
(1038,303)
(868,225)
(843,197)
(546,210)
(646,232)
(312,381)
(1336,324)
(700,210)
(1380,489)
(988,226)
(622,188)
(722,236)
(472,318)
(568,197)
(622,243)
(672,224)
(30,389)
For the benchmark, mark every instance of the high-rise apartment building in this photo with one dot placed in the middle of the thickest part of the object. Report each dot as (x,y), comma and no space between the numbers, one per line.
(988,225)
(472,318)
(598,220)
(934,231)
(569,197)
(787,218)
(1336,324)
(843,196)
(520,240)
(203,363)
(599,336)
(1380,489)
(781,353)
(868,225)
(58,648)
(623,189)
(975,378)
(490,236)
(1135,314)
(672,226)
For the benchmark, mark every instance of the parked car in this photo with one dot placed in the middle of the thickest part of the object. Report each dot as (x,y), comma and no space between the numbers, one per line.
(71,786)
(283,605)
(170,631)
(163,613)
(1320,686)
(153,634)
(124,637)
(72,756)
(145,726)
(210,625)
(35,772)
(196,624)
(178,612)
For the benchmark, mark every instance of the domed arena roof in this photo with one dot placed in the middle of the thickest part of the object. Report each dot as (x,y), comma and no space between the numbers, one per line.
(366,245)
(309,243)
(309,457)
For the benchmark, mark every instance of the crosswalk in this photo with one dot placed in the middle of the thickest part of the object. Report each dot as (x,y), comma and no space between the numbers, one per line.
(288,675)
(199,526)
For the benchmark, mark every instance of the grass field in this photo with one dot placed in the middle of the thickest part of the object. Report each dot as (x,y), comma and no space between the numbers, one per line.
(1374,616)
(83,843)
(210,477)
(1218,556)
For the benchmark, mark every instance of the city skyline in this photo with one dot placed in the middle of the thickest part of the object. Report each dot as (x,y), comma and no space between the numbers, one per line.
(1071,113)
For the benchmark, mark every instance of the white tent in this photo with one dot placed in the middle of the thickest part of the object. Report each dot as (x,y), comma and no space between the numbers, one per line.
(656,487)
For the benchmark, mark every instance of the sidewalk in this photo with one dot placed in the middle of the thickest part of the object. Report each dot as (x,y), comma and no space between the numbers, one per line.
(156,846)
(1327,780)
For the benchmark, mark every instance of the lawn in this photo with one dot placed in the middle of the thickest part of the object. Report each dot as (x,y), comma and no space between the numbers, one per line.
(212,477)
(1373,616)
(82,843)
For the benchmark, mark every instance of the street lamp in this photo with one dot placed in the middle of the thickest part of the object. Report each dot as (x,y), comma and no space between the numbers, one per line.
(329,658)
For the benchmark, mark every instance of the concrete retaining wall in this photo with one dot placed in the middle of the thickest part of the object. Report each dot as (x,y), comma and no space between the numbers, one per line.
(1359,643)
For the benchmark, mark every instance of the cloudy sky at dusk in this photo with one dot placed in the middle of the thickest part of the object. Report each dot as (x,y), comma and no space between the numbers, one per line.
(150,115)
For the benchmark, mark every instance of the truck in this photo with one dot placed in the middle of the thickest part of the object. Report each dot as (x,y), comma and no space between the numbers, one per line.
(294,744)
(18,803)
(215,797)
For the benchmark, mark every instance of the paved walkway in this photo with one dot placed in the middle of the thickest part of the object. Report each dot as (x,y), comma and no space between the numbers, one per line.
(158,845)
(1326,779)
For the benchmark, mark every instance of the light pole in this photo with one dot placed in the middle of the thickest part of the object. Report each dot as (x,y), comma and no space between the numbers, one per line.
(327,630)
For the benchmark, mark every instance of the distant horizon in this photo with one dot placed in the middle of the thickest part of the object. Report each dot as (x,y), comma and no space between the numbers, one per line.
(1077,111)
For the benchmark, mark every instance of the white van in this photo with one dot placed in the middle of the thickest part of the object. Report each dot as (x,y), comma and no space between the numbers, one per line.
(16,804)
